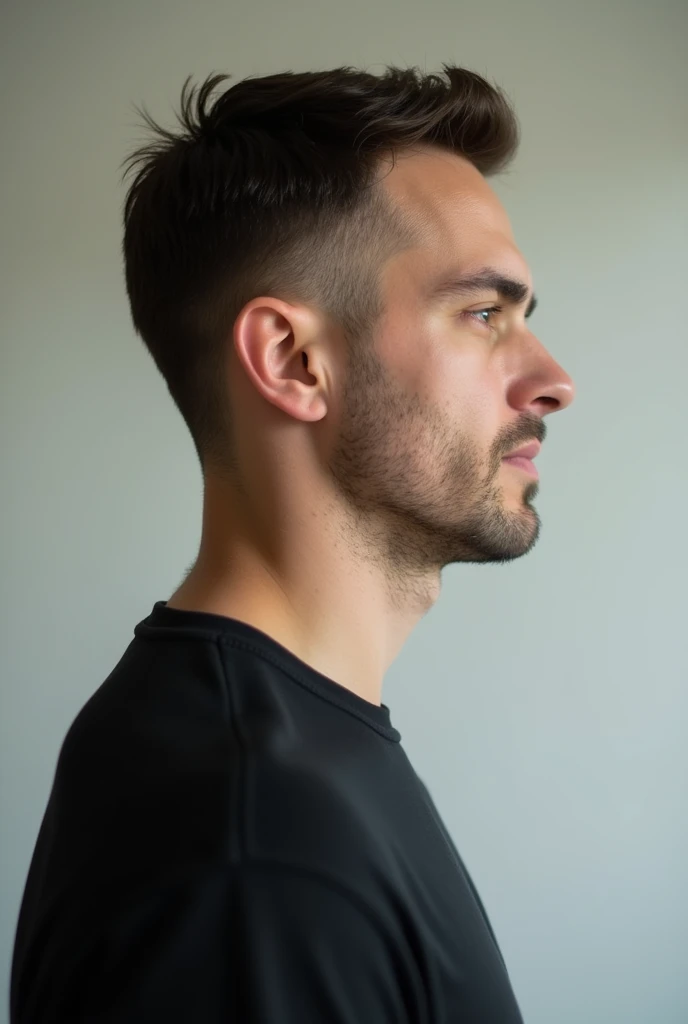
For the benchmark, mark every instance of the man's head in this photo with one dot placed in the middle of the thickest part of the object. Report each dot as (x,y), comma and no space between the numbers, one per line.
(288,260)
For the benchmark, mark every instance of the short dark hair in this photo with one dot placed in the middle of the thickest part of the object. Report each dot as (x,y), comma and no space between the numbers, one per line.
(270,189)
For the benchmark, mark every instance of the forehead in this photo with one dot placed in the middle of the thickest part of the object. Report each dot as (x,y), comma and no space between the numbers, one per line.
(458,220)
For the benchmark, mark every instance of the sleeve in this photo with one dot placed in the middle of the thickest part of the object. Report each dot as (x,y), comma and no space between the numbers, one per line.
(258,945)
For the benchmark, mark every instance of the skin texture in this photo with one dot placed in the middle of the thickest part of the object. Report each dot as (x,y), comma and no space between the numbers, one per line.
(361,482)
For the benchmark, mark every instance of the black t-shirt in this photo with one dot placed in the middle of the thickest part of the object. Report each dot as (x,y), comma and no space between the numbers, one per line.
(233,837)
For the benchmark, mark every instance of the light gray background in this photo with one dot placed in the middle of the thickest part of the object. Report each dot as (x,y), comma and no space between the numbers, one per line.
(543,702)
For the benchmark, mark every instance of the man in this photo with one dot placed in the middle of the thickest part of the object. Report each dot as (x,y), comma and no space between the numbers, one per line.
(333,294)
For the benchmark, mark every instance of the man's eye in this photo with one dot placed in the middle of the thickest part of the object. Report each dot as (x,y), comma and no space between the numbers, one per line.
(479,313)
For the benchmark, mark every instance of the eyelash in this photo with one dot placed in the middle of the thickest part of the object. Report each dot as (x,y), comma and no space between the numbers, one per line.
(472,314)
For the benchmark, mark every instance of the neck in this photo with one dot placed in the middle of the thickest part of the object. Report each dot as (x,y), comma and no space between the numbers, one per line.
(301,584)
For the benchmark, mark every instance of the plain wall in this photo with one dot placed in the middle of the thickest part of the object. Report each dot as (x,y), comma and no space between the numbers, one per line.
(543,702)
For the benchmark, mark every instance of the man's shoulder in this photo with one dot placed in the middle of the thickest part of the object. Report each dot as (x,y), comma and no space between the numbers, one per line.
(178,775)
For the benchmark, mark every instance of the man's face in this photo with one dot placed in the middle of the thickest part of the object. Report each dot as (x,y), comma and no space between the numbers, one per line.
(444,391)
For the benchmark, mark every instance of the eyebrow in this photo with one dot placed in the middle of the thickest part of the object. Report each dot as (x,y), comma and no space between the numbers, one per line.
(508,289)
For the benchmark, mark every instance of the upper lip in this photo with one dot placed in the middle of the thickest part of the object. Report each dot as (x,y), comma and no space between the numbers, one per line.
(529,451)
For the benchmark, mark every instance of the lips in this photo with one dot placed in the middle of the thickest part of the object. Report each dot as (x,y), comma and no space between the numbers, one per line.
(529,451)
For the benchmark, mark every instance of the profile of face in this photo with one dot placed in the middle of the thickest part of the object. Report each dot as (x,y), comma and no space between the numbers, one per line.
(410,436)
(446,388)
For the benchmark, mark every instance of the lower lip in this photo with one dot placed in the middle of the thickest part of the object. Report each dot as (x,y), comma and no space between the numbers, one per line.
(525,464)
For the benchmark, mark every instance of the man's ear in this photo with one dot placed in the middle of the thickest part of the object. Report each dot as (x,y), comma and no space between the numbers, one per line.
(278,346)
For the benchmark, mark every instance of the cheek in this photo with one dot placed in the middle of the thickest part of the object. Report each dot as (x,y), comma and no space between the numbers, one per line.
(467,397)
(444,379)
(464,387)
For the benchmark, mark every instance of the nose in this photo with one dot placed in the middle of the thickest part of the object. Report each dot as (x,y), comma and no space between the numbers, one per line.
(543,386)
